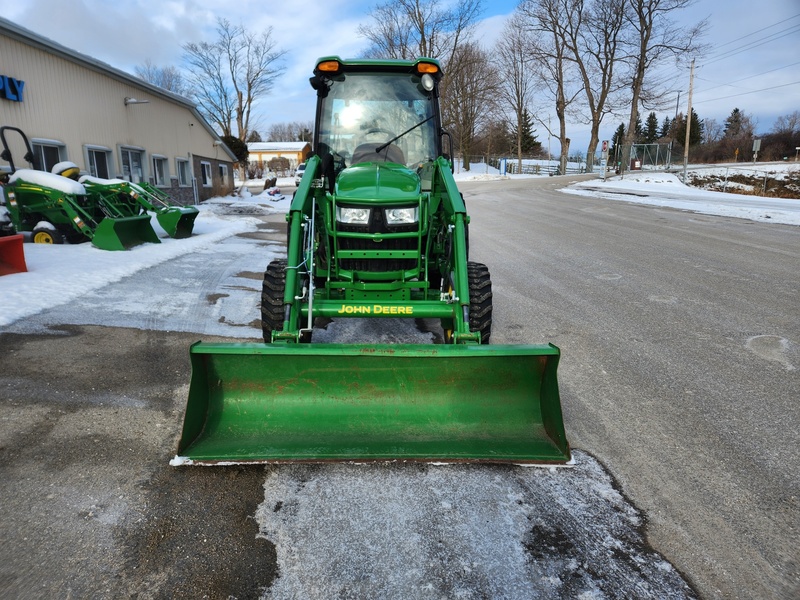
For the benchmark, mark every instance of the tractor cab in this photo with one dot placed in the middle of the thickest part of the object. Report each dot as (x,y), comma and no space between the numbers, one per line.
(370,112)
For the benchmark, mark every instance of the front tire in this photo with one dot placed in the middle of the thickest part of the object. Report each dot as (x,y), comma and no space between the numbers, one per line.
(272,291)
(272,299)
(480,300)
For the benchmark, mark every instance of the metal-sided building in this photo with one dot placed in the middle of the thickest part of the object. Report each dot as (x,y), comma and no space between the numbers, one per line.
(111,124)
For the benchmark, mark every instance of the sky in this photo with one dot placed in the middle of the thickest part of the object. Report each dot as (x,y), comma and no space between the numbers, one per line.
(753,63)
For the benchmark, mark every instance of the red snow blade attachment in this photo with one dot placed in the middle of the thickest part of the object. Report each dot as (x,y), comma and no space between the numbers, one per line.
(281,403)
(12,256)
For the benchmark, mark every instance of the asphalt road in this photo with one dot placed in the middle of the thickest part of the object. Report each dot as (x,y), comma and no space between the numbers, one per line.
(680,370)
(679,376)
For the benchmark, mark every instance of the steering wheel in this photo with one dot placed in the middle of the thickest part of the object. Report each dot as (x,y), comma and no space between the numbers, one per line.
(390,134)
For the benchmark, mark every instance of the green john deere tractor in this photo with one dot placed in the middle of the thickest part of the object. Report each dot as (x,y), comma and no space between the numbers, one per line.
(377,228)
(55,208)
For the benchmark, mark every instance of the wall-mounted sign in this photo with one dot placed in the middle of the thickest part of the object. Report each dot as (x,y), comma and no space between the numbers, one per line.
(10,88)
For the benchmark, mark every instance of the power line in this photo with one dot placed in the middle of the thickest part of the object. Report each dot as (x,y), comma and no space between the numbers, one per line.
(730,83)
(755,44)
(740,38)
(775,87)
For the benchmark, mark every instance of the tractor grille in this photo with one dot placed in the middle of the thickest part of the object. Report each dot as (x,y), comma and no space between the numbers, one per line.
(378,226)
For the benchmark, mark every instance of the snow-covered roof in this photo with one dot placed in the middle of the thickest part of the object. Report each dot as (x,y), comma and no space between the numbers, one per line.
(276,146)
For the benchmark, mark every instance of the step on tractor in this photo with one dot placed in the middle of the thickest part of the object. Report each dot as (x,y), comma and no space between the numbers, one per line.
(54,208)
(376,229)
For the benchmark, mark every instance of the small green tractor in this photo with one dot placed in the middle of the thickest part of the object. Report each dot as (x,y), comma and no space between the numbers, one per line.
(54,207)
(376,229)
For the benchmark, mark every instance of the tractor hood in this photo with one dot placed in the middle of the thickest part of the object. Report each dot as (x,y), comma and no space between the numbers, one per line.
(378,181)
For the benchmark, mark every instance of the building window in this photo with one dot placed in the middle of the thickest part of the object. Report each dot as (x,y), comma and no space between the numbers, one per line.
(98,160)
(205,168)
(223,175)
(160,171)
(132,169)
(48,153)
(182,167)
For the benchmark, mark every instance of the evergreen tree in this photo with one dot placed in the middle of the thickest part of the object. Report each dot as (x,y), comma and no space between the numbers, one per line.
(733,124)
(238,147)
(695,132)
(666,127)
(254,137)
(530,145)
(617,141)
(650,133)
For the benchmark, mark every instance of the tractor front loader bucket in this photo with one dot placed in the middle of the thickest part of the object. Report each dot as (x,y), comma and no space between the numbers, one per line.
(124,232)
(283,403)
(12,256)
(178,221)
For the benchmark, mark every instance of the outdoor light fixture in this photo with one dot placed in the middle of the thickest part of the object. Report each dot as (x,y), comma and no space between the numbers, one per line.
(129,100)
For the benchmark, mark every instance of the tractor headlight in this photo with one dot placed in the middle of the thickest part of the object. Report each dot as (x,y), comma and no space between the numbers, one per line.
(352,216)
(402,216)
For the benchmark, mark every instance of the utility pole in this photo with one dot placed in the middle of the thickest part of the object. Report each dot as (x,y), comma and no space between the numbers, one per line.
(672,138)
(688,123)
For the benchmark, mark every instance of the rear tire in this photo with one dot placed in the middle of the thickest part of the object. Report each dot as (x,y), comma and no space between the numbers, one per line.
(272,299)
(45,235)
(480,300)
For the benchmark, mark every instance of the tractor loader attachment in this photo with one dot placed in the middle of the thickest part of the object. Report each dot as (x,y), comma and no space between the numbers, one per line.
(12,256)
(121,233)
(275,403)
(177,221)
(376,229)
(126,223)
(55,207)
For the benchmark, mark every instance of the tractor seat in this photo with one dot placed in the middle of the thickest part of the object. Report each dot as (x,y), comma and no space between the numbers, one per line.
(366,153)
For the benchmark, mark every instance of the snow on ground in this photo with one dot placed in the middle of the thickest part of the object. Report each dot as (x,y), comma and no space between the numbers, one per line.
(58,274)
(665,189)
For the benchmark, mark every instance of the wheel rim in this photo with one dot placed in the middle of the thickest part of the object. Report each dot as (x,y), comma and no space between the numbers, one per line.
(42,237)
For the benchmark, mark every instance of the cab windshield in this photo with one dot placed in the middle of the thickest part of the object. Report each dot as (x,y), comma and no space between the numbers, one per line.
(364,111)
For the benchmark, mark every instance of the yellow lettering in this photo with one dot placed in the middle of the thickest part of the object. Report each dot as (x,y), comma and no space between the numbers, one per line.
(347,309)
(390,310)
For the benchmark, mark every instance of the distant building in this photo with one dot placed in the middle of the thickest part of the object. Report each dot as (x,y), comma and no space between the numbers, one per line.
(111,124)
(262,152)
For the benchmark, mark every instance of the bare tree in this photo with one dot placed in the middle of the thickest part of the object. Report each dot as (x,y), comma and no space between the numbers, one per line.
(468,96)
(408,29)
(592,34)
(291,132)
(712,131)
(517,75)
(787,123)
(229,75)
(168,78)
(654,38)
(546,19)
